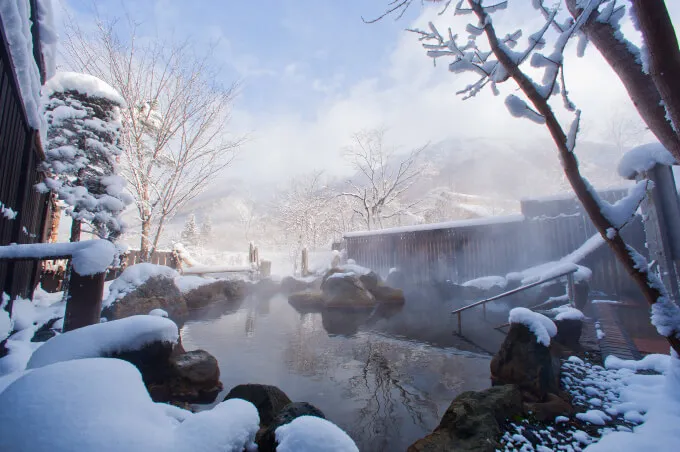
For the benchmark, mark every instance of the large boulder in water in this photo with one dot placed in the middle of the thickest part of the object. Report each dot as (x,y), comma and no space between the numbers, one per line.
(222,290)
(266,437)
(290,284)
(307,300)
(269,400)
(473,421)
(345,290)
(389,295)
(523,361)
(157,292)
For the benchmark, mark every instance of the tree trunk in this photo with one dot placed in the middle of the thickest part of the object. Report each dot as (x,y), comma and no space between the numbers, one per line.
(144,243)
(76,226)
(54,221)
(583,192)
(663,54)
(640,86)
(159,230)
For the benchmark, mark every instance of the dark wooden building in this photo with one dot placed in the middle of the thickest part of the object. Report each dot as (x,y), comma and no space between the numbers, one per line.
(20,155)
(547,230)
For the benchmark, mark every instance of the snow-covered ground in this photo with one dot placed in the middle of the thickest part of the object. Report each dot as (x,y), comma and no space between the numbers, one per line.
(624,406)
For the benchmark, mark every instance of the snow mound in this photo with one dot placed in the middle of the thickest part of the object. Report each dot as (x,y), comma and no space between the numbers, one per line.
(655,362)
(102,405)
(542,327)
(568,313)
(311,434)
(487,282)
(187,283)
(85,84)
(133,277)
(643,158)
(159,312)
(130,333)
(354,268)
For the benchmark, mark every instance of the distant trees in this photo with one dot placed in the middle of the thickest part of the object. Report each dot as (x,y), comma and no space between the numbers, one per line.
(82,148)
(190,235)
(649,74)
(382,177)
(175,135)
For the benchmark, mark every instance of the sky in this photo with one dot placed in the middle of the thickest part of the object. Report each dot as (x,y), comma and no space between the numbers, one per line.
(312,72)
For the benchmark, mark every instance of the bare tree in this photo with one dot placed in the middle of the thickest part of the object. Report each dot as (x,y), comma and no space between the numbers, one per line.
(382,179)
(175,120)
(625,130)
(503,62)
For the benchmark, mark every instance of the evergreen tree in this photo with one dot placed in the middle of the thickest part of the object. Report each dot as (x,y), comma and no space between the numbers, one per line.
(206,230)
(190,235)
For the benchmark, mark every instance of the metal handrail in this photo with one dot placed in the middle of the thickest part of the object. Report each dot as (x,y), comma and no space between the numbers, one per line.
(570,282)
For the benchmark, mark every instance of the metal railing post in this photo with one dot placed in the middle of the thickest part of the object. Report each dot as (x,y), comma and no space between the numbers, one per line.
(571,289)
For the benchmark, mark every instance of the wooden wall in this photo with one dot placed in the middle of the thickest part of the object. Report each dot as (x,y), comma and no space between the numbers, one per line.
(20,154)
(463,253)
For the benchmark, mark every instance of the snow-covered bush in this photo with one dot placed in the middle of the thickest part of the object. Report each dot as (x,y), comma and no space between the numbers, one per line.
(83,117)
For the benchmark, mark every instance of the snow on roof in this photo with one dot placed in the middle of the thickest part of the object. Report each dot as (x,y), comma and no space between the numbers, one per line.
(542,327)
(15,16)
(444,225)
(133,277)
(85,84)
(102,404)
(130,333)
(643,158)
(88,257)
(309,433)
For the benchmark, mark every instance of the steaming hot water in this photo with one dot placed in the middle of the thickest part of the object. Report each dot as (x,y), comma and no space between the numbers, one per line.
(363,369)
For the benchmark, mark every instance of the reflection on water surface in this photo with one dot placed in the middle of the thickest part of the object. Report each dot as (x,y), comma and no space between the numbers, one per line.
(385,391)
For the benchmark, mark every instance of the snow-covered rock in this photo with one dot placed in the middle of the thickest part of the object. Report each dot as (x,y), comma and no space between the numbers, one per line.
(133,277)
(311,434)
(542,327)
(102,405)
(103,339)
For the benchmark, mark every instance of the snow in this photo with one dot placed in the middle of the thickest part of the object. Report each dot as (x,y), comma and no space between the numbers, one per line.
(487,282)
(202,269)
(133,277)
(88,257)
(311,434)
(159,312)
(190,282)
(6,323)
(130,333)
(102,404)
(15,16)
(48,36)
(643,158)
(595,417)
(568,313)
(7,212)
(354,268)
(605,301)
(444,225)
(655,362)
(622,210)
(542,327)
(85,84)
(519,109)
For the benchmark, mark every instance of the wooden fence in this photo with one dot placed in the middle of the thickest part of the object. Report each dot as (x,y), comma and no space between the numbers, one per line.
(20,154)
(472,249)
(133,257)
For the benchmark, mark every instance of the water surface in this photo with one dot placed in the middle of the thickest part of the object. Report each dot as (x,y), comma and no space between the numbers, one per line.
(384,390)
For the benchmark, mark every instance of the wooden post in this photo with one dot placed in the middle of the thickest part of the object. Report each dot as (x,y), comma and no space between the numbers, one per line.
(251,252)
(571,290)
(256,256)
(84,303)
(460,326)
(265,268)
(304,264)
(661,217)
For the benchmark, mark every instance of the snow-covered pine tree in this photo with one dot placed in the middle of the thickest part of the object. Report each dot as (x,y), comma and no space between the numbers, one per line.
(190,234)
(206,230)
(83,117)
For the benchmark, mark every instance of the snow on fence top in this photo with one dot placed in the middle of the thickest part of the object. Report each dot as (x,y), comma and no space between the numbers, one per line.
(643,158)
(84,84)
(102,339)
(435,226)
(88,257)
(15,16)
(542,327)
